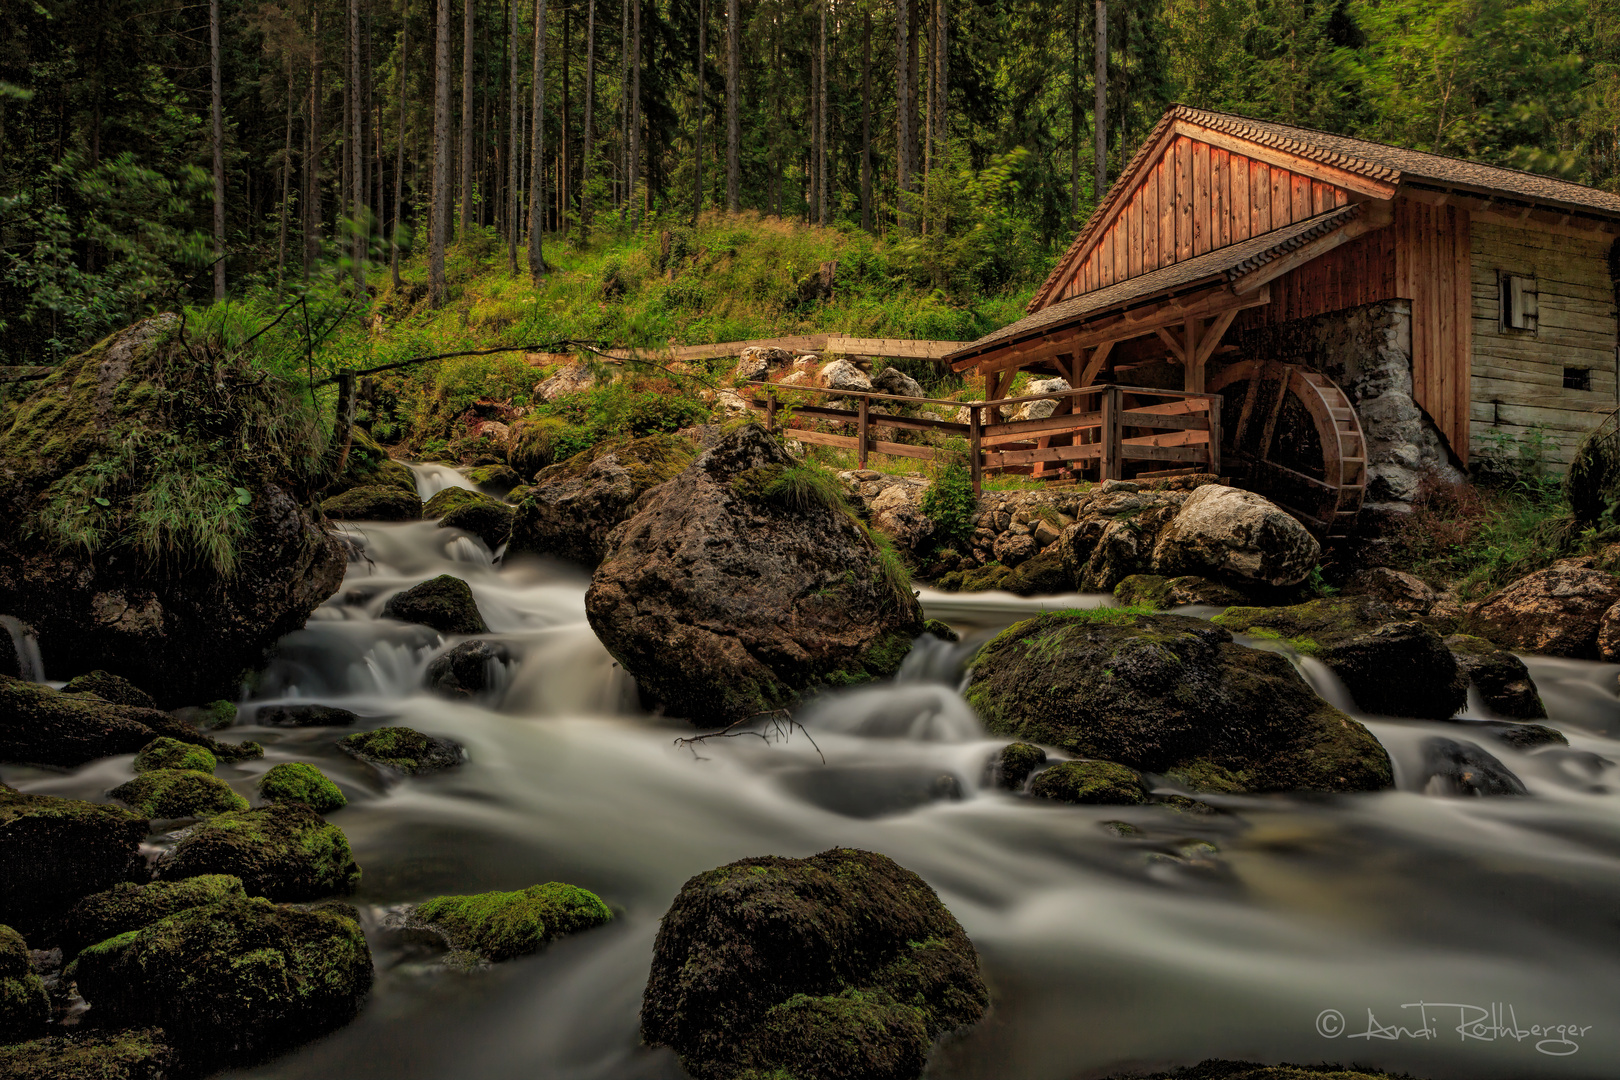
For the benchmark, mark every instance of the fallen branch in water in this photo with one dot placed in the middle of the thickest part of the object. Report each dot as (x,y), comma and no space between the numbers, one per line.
(779,728)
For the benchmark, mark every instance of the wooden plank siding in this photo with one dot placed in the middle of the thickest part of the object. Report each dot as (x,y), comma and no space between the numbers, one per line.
(1196,198)
(1518,375)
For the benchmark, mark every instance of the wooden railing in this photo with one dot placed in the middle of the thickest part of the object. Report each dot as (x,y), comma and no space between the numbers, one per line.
(1090,426)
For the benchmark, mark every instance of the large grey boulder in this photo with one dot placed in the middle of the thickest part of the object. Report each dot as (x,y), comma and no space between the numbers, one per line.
(1238,536)
(1557,611)
(892,380)
(843,375)
(744,582)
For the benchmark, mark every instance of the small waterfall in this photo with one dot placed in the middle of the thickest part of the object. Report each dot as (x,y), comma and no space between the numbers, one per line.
(27,646)
(432,478)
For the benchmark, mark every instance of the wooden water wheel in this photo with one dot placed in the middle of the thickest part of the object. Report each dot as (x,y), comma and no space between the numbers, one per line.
(1291,435)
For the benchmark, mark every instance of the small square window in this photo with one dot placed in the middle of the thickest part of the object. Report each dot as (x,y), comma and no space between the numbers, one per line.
(1518,302)
(1577,378)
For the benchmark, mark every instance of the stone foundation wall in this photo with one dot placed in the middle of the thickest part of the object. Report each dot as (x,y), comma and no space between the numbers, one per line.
(1368,351)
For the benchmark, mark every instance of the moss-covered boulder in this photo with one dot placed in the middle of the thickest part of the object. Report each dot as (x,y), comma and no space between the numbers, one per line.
(444,603)
(300,782)
(745,582)
(842,966)
(535,443)
(1501,678)
(373,504)
(1391,664)
(136,1054)
(469,670)
(129,906)
(167,753)
(369,465)
(453,498)
(233,979)
(403,750)
(572,506)
(1012,767)
(496,478)
(300,715)
(42,726)
(54,851)
(1557,611)
(1043,575)
(1089,783)
(24,1006)
(174,562)
(1170,694)
(212,716)
(176,793)
(485,516)
(284,851)
(979,579)
(1162,593)
(111,688)
(501,925)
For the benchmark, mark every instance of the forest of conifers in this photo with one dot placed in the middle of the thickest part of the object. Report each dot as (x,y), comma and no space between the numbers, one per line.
(155,152)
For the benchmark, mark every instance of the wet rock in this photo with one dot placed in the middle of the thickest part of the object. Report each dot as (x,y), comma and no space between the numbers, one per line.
(453,498)
(892,380)
(210,717)
(1012,767)
(167,753)
(744,582)
(941,630)
(872,790)
(979,579)
(1461,768)
(233,979)
(497,478)
(844,959)
(570,379)
(128,906)
(485,516)
(469,670)
(1501,678)
(1520,735)
(1557,611)
(370,466)
(43,726)
(1608,637)
(139,1054)
(24,1007)
(1043,574)
(283,851)
(12,633)
(1170,694)
(110,688)
(573,506)
(1115,534)
(180,611)
(373,504)
(304,716)
(897,513)
(54,851)
(1238,536)
(444,603)
(402,750)
(300,782)
(1089,783)
(1400,590)
(1162,593)
(843,375)
(1391,665)
(498,926)
(177,793)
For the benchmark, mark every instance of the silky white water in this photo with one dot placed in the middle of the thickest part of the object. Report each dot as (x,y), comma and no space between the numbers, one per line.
(1224,936)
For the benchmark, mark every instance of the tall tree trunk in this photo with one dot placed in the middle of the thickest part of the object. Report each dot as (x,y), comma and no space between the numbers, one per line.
(1100,116)
(821,126)
(564,165)
(399,147)
(219,150)
(733,130)
(942,82)
(914,83)
(286,183)
(697,156)
(812,173)
(357,180)
(468,117)
(866,120)
(635,114)
(513,228)
(441,155)
(624,112)
(312,187)
(902,98)
(537,147)
(1074,111)
(590,124)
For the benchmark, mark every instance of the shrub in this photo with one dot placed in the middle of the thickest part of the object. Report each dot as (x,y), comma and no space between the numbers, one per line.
(951,505)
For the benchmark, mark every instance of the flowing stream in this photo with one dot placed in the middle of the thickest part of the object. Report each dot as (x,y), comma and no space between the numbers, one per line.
(1197,936)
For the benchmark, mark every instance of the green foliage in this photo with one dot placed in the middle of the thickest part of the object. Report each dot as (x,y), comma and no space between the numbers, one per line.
(173,793)
(797,488)
(297,781)
(167,753)
(503,925)
(1592,484)
(614,409)
(951,505)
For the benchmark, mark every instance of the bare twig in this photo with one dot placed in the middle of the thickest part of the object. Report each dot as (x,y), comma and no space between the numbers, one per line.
(779,727)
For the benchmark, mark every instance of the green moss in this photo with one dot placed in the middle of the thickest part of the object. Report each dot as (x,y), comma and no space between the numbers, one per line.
(496,476)
(878,661)
(24,1006)
(373,504)
(173,793)
(848,1036)
(501,925)
(127,907)
(295,781)
(1014,764)
(454,498)
(1089,783)
(940,630)
(217,715)
(91,1055)
(284,851)
(535,442)
(402,749)
(111,688)
(980,579)
(648,461)
(167,753)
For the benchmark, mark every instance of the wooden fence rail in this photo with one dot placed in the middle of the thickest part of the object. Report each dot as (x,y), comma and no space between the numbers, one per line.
(829,344)
(1184,430)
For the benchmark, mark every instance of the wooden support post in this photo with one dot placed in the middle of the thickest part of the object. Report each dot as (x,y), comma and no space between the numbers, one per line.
(1193,367)
(770,411)
(975,458)
(1113,451)
(1215,435)
(861,424)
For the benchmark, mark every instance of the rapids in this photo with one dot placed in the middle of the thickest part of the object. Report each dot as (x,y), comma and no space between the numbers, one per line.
(1229,936)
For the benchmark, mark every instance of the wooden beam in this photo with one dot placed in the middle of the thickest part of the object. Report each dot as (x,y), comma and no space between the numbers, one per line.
(1192,373)
(1328,174)
(1169,339)
(1211,336)
(1375,216)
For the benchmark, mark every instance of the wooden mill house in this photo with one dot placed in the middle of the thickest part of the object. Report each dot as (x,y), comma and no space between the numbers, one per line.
(1362,315)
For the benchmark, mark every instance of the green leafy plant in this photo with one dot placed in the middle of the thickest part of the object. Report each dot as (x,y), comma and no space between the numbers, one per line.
(951,505)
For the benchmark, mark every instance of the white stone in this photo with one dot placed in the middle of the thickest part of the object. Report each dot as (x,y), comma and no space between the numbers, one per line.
(843,375)
(1235,535)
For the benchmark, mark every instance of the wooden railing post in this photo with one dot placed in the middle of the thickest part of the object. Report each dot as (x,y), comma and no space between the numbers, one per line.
(975,459)
(861,424)
(1215,435)
(1113,462)
(770,410)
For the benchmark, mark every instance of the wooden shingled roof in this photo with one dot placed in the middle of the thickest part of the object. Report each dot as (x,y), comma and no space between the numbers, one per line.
(1377,162)
(1226,264)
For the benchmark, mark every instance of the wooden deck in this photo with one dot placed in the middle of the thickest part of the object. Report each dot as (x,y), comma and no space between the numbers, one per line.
(1102,429)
